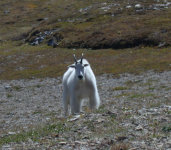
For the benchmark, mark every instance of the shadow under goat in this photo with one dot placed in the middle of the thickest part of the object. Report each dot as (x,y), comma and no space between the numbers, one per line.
(79,83)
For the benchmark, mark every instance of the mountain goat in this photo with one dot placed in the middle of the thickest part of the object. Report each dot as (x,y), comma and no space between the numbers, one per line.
(79,83)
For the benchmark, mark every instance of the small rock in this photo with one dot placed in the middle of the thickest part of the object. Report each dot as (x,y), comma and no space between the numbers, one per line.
(160,145)
(100,120)
(52,42)
(6,12)
(30,140)
(62,143)
(114,114)
(6,147)
(162,44)
(139,128)
(7,87)
(11,133)
(129,6)
(80,142)
(47,118)
(74,118)
(138,6)
(121,138)
(36,43)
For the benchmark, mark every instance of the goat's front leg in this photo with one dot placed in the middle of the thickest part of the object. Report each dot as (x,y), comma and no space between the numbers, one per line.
(75,105)
(65,102)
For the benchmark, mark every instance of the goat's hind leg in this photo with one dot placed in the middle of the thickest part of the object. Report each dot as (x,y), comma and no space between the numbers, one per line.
(75,105)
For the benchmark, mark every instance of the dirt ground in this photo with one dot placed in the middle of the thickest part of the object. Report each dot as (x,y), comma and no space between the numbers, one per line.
(135,113)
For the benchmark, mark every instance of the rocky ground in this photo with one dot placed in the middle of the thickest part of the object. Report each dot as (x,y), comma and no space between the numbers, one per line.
(135,113)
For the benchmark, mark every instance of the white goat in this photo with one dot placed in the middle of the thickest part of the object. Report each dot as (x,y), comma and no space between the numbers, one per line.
(79,83)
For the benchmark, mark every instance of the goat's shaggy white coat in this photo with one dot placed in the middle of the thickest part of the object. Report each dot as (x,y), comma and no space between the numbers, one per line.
(75,90)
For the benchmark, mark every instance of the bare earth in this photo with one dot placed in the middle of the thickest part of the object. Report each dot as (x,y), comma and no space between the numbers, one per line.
(135,112)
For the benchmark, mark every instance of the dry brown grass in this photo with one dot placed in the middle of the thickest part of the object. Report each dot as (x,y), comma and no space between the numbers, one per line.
(42,61)
(95,29)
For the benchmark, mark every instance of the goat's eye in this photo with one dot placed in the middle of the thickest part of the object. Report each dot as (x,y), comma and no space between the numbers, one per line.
(85,65)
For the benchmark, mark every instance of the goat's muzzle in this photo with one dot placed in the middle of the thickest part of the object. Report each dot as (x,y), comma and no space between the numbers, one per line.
(80,77)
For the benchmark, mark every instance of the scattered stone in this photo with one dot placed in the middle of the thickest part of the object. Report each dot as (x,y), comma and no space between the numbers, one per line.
(138,6)
(6,12)
(52,42)
(40,37)
(63,143)
(42,97)
(113,114)
(11,133)
(80,142)
(121,138)
(161,44)
(85,10)
(8,87)
(6,147)
(139,128)
(47,118)
(74,118)
(160,145)
(129,6)
(100,120)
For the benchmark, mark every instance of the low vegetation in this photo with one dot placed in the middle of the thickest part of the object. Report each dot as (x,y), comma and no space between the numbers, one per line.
(26,61)
(34,134)
(144,30)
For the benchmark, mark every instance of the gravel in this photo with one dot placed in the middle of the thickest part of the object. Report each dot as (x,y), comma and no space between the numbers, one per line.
(141,105)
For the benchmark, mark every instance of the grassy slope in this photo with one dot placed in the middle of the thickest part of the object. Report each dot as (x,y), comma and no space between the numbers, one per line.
(42,61)
(92,27)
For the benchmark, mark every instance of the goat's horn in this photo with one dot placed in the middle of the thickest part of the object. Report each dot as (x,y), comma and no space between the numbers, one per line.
(82,58)
(75,58)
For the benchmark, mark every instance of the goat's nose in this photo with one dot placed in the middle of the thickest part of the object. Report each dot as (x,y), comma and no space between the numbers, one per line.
(80,77)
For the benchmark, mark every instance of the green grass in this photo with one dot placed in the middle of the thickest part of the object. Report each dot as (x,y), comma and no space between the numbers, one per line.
(167,128)
(119,88)
(141,95)
(9,95)
(17,88)
(123,95)
(34,134)
(101,109)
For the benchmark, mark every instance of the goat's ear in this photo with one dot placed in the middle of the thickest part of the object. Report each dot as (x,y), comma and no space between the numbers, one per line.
(71,66)
(85,65)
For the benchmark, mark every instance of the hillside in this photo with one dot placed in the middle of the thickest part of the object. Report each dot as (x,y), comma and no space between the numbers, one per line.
(86,24)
